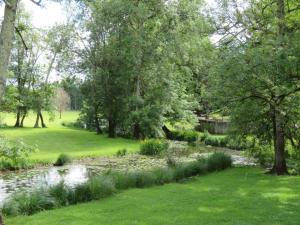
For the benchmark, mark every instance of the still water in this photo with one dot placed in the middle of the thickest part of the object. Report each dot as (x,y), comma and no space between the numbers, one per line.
(16,181)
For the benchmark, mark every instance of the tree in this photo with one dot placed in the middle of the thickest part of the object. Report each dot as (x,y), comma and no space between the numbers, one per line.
(55,43)
(6,39)
(61,100)
(259,74)
(72,86)
(24,64)
(129,57)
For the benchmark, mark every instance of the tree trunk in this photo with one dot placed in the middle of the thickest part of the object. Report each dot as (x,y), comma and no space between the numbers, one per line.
(59,114)
(279,167)
(36,125)
(111,128)
(136,131)
(23,118)
(167,131)
(17,124)
(42,120)
(97,124)
(1,219)
(6,39)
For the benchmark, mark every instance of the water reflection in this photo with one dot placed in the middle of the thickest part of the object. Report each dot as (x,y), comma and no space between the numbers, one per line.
(15,181)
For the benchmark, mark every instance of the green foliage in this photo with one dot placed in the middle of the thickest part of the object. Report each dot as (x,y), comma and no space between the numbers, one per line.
(148,80)
(29,203)
(153,147)
(98,187)
(121,152)
(232,142)
(264,153)
(14,154)
(218,161)
(60,192)
(254,78)
(187,135)
(62,160)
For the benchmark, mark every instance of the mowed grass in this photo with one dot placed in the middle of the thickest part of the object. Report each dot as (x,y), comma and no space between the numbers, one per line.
(239,196)
(58,139)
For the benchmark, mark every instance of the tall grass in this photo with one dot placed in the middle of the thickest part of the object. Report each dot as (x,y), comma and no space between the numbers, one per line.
(101,186)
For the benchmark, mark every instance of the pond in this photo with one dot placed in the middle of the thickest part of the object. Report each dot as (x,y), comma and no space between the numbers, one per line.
(25,180)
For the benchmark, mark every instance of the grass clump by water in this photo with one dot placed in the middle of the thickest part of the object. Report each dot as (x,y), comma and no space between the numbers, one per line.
(153,147)
(98,187)
(62,160)
(30,203)
(189,136)
(121,152)
(218,161)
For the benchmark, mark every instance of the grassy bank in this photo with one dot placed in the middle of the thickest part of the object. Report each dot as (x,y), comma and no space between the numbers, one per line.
(58,139)
(243,196)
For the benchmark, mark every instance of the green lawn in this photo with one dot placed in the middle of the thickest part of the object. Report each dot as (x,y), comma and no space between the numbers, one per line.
(57,139)
(240,196)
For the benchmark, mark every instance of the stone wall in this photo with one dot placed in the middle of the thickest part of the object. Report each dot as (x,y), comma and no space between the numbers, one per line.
(213,126)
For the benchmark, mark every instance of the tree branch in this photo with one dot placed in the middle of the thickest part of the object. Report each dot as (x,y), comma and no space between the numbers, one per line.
(22,39)
(37,2)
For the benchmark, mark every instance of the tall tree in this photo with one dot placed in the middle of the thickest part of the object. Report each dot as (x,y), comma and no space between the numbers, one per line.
(131,56)
(259,73)
(6,40)
(61,100)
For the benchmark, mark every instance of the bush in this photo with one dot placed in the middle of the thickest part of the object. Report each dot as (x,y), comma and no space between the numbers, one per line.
(263,153)
(101,186)
(153,147)
(218,161)
(77,124)
(29,203)
(236,143)
(121,152)
(187,135)
(214,141)
(61,193)
(62,160)
(163,175)
(14,154)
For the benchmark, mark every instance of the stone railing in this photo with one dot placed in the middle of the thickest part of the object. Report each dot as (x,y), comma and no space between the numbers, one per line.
(213,126)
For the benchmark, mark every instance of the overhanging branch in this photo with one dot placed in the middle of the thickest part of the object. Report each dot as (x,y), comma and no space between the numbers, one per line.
(22,39)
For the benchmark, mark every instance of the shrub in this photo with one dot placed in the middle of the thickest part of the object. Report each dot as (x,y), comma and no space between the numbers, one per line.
(236,143)
(62,160)
(188,135)
(60,192)
(263,153)
(77,124)
(122,180)
(121,152)
(239,143)
(101,186)
(212,140)
(29,203)
(163,175)
(153,147)
(14,154)
(218,161)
